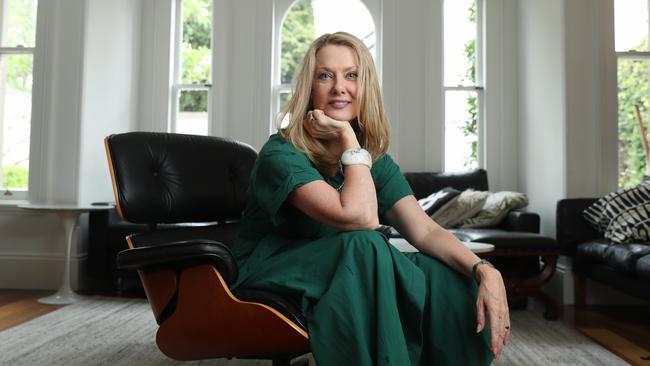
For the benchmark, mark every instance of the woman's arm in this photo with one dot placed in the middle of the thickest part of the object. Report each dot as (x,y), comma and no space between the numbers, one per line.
(429,238)
(355,206)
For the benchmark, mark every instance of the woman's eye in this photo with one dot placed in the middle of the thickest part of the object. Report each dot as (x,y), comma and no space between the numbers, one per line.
(352,75)
(325,75)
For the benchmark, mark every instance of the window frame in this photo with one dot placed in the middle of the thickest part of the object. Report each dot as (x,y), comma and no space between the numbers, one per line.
(478,88)
(7,193)
(177,84)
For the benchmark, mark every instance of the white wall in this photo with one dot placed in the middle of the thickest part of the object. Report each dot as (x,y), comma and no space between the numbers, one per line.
(542,98)
(110,102)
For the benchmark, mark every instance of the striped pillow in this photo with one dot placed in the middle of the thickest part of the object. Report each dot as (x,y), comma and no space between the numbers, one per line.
(629,202)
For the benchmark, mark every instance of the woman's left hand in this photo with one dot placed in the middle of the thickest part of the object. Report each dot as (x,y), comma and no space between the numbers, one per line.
(492,300)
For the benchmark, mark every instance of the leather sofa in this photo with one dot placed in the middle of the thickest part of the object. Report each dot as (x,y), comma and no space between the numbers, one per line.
(625,267)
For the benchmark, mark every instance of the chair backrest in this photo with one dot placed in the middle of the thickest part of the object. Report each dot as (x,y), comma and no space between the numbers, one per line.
(176,178)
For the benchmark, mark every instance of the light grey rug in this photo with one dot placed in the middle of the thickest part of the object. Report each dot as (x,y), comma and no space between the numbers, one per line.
(114,331)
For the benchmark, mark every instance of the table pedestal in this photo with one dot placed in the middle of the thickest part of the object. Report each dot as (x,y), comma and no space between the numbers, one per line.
(65,295)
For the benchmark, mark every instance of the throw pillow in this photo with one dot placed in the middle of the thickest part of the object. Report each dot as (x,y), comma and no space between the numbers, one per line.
(438,199)
(631,224)
(468,204)
(602,212)
(496,207)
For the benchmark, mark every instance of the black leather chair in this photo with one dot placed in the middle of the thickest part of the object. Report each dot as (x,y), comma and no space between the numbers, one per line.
(165,180)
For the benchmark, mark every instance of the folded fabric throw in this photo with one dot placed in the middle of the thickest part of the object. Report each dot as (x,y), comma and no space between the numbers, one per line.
(496,208)
(436,200)
(464,206)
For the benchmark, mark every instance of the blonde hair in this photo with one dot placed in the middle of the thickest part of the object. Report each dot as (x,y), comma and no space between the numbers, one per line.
(372,127)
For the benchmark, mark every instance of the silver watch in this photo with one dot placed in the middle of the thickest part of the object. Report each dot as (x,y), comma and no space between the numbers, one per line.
(357,156)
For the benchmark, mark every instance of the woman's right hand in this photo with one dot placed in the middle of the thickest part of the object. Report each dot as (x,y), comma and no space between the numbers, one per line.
(323,127)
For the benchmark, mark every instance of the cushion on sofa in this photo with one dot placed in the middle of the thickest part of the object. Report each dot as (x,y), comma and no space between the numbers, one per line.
(496,207)
(643,267)
(631,224)
(465,206)
(624,257)
(436,200)
(600,214)
(593,251)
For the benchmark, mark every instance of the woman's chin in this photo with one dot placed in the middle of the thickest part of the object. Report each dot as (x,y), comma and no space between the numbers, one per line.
(340,115)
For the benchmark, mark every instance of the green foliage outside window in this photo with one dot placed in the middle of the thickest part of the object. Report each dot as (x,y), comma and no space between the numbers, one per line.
(196,51)
(632,91)
(14,177)
(298,32)
(470,125)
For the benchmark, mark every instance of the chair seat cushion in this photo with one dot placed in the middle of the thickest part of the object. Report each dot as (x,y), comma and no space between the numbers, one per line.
(593,251)
(623,257)
(280,303)
(507,240)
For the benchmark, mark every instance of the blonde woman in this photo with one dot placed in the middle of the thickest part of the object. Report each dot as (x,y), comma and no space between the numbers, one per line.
(318,190)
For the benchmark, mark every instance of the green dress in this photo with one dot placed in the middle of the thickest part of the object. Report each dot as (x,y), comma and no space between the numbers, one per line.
(365,302)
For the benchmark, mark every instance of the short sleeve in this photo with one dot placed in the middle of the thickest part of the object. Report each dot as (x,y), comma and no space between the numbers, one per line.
(390,183)
(280,168)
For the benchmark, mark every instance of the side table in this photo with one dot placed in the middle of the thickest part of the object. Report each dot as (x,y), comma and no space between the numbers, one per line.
(404,246)
(68,214)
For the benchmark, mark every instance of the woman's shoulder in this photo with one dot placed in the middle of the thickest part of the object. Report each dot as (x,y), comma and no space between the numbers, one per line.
(278,148)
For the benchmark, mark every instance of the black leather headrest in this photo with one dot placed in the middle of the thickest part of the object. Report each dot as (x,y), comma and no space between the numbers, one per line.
(425,183)
(173,178)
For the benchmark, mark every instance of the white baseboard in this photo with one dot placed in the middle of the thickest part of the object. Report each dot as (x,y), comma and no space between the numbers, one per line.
(39,272)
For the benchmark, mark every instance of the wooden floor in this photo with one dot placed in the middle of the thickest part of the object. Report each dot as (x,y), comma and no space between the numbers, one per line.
(624,330)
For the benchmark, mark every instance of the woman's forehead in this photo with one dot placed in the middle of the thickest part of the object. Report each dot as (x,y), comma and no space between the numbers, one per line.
(336,55)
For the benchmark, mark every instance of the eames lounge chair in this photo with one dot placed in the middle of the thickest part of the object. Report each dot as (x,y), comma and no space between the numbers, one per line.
(167,181)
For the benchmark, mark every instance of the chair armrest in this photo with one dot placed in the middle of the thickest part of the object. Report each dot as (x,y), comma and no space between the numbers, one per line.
(522,221)
(571,228)
(179,255)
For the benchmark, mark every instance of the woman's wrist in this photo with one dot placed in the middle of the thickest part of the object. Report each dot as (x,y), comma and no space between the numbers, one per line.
(479,268)
(348,139)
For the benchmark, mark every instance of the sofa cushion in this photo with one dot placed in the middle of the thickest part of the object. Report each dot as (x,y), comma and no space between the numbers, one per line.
(495,209)
(631,224)
(643,267)
(624,257)
(601,212)
(593,251)
(465,206)
(436,200)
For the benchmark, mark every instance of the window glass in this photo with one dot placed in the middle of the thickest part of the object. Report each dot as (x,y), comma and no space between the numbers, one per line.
(19,29)
(461,137)
(460,41)
(193,73)
(461,89)
(196,54)
(631,25)
(18,36)
(193,112)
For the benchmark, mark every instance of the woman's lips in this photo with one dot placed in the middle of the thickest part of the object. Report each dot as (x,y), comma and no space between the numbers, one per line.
(339,104)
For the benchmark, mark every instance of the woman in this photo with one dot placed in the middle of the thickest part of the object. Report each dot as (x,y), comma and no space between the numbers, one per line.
(318,190)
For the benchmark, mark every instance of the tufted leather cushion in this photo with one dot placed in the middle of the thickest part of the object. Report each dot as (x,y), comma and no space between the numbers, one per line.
(157,177)
(623,257)
(643,267)
(593,251)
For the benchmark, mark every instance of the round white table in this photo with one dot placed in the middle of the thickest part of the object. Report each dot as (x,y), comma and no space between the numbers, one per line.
(404,246)
(68,214)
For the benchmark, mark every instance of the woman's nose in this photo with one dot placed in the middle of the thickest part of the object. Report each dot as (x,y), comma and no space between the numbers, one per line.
(338,88)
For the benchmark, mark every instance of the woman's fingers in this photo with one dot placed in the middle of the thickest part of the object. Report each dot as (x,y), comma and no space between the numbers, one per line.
(480,314)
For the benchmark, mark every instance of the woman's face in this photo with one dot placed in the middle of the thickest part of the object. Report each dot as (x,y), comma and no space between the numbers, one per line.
(335,84)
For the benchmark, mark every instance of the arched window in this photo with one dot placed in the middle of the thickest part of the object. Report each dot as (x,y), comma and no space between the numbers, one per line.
(301,23)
